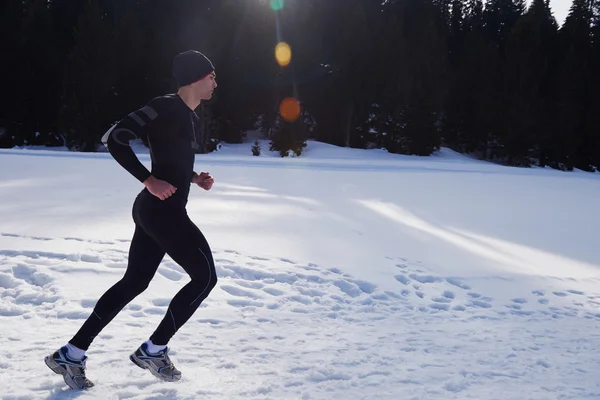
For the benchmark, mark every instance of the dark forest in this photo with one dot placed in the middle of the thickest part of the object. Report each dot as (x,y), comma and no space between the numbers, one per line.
(498,79)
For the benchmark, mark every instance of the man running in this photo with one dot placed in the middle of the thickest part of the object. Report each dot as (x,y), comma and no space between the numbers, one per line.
(162,226)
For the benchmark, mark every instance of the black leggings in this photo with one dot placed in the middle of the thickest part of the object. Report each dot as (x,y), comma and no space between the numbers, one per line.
(159,228)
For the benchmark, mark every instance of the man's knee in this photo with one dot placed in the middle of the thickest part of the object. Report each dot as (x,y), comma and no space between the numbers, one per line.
(206,282)
(135,285)
(210,279)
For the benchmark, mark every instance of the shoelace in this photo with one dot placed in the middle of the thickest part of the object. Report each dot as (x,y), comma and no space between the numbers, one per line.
(164,357)
(168,361)
(80,372)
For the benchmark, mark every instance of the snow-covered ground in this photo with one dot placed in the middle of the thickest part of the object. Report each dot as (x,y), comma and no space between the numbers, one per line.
(343,274)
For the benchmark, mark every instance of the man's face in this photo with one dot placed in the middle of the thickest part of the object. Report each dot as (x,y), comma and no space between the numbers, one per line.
(204,88)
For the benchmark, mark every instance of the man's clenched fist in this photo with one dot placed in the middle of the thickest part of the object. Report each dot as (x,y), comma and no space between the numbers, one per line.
(204,180)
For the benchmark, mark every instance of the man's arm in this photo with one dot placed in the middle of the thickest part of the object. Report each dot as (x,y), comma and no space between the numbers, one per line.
(136,125)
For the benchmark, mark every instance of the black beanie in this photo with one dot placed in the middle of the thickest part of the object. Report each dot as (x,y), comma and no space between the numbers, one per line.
(191,66)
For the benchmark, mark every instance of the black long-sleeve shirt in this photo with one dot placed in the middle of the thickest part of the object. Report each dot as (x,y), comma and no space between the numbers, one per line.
(170,128)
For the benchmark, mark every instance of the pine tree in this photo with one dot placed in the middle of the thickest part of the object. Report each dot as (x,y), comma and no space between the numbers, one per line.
(89,81)
(456,31)
(573,141)
(528,82)
(414,74)
(500,19)
(12,98)
(468,105)
(41,65)
(240,40)
(593,115)
(133,63)
(65,14)
(338,77)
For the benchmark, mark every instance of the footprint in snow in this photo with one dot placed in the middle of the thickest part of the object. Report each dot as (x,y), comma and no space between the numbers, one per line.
(211,321)
(154,311)
(170,274)
(402,279)
(244,303)
(259,258)
(249,284)
(479,304)
(36,299)
(273,291)
(137,314)
(235,291)
(440,306)
(381,297)
(425,278)
(364,286)
(456,282)
(161,302)
(8,281)
(88,303)
(310,268)
(90,258)
(319,293)
(301,299)
(116,265)
(348,288)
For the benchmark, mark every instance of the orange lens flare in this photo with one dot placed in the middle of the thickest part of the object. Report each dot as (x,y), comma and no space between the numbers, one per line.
(289,108)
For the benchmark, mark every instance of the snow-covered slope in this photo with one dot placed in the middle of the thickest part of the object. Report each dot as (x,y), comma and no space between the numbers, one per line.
(344,274)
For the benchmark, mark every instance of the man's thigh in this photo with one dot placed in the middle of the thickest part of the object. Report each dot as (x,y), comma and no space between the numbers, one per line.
(181,239)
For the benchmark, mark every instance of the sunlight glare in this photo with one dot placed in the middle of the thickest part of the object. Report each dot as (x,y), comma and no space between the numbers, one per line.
(510,257)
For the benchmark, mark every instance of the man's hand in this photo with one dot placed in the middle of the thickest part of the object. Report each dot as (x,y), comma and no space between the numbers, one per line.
(204,180)
(161,189)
